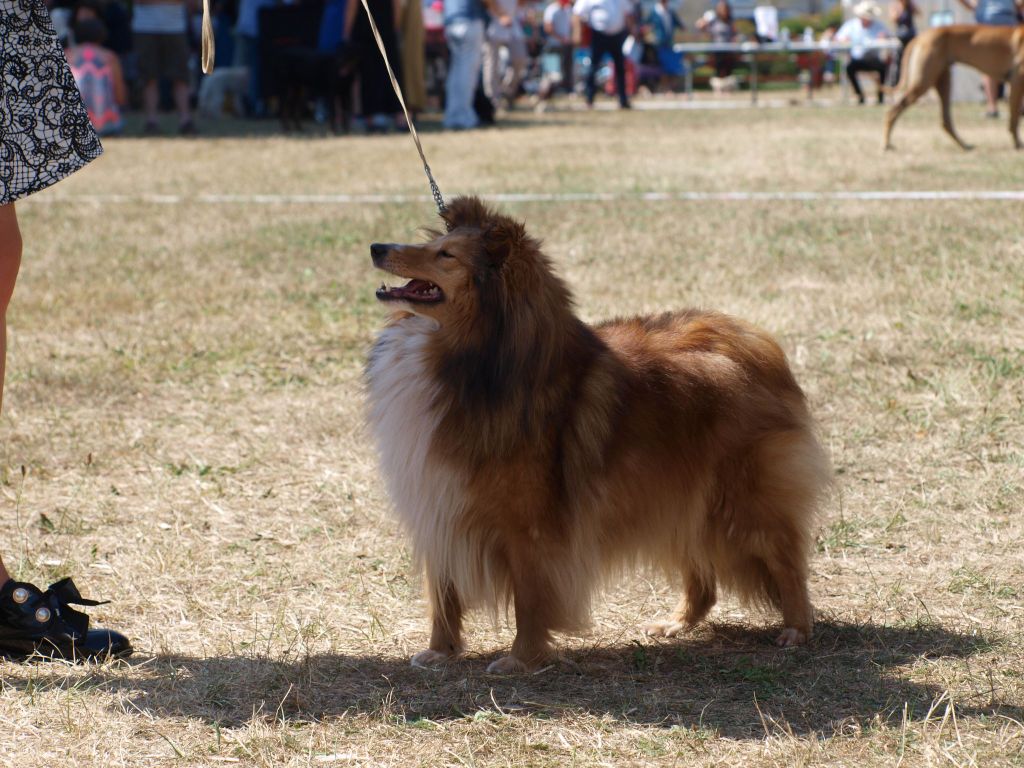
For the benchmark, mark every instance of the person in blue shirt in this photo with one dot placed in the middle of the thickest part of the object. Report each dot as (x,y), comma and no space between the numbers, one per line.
(664,24)
(999,13)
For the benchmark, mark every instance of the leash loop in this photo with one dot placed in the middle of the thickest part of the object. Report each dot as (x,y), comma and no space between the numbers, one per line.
(208,51)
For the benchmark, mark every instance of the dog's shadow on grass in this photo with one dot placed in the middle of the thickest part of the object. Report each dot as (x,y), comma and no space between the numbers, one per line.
(724,680)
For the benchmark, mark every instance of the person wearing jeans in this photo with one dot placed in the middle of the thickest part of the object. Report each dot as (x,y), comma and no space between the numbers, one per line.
(464,32)
(609,27)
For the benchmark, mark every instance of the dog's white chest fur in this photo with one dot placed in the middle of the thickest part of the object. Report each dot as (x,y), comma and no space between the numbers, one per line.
(428,496)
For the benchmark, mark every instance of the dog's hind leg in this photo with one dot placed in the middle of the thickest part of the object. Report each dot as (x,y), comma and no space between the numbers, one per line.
(1016,100)
(892,116)
(904,102)
(944,86)
(445,626)
(767,540)
(913,83)
(694,604)
(789,576)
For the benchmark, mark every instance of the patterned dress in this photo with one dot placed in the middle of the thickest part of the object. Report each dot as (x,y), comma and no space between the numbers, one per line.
(45,132)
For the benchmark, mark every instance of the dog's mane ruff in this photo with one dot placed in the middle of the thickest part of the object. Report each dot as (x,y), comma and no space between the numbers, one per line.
(447,400)
(507,382)
(504,376)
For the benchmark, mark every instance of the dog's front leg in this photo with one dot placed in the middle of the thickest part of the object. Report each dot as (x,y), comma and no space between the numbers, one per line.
(535,603)
(445,625)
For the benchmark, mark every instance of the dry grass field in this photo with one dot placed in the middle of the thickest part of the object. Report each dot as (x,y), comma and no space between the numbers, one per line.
(183,434)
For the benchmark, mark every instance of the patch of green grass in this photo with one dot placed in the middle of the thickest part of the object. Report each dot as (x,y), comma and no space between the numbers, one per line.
(967,579)
(840,535)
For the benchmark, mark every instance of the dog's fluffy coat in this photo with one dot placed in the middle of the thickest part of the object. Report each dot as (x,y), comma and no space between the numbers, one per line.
(531,456)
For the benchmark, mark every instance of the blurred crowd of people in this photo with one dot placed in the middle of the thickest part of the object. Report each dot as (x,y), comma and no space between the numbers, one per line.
(471,58)
(475,58)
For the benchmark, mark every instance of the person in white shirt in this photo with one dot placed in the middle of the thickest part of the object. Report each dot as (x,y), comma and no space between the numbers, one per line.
(609,22)
(864,27)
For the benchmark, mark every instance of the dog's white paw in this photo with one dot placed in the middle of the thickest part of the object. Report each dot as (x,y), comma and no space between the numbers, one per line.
(790,637)
(507,665)
(428,658)
(664,628)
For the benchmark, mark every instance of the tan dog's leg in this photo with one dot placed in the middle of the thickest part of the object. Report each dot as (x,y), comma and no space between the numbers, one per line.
(892,116)
(693,606)
(944,85)
(1016,99)
(917,87)
(445,630)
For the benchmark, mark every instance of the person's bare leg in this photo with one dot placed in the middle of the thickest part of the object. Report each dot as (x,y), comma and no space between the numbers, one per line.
(10,261)
(991,92)
(60,639)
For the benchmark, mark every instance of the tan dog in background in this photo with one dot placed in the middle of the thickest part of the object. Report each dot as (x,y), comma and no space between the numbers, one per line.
(532,457)
(995,51)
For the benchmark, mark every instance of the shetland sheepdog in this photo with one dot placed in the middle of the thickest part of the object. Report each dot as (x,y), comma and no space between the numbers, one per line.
(532,457)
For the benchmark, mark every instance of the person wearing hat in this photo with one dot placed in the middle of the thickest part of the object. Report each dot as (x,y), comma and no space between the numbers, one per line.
(864,28)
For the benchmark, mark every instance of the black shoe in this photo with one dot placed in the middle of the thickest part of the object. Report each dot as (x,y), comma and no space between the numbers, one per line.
(37,623)
(188,128)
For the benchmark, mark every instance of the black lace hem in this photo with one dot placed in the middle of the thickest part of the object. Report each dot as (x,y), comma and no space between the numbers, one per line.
(45,133)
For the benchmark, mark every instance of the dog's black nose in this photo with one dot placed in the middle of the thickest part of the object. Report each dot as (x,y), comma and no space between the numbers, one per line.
(379,250)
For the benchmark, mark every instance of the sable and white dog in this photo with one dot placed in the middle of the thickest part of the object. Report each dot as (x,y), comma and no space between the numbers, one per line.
(531,457)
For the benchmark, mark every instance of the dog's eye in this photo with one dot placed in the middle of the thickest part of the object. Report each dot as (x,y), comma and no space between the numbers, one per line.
(444,255)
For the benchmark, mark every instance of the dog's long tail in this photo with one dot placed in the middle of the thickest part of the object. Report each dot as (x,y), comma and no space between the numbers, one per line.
(905,64)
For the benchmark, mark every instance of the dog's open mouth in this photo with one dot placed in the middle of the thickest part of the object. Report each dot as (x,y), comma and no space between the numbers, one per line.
(419,291)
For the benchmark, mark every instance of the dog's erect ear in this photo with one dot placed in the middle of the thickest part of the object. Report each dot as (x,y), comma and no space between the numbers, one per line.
(502,237)
(466,211)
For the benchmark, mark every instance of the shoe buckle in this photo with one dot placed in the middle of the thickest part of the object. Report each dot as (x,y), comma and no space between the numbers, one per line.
(43,614)
(20,595)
